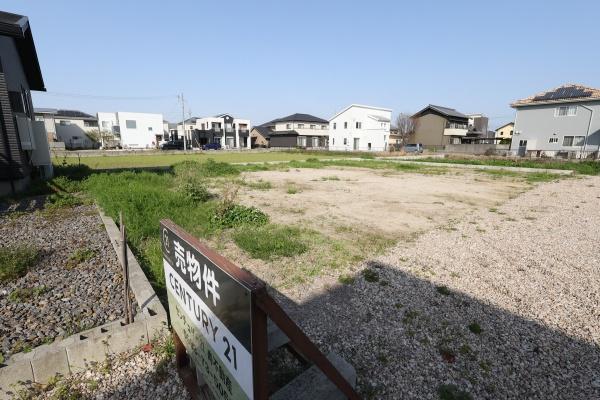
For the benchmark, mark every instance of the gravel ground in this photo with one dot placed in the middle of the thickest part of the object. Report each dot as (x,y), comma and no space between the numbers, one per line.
(504,304)
(71,296)
(147,373)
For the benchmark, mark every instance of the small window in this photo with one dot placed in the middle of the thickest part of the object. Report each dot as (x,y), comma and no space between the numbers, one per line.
(65,123)
(313,127)
(345,125)
(553,139)
(323,126)
(130,124)
(288,126)
(568,141)
(369,146)
(345,141)
(16,102)
(149,129)
(511,132)
(333,141)
(334,125)
(578,141)
(300,126)
(39,118)
(565,111)
(358,125)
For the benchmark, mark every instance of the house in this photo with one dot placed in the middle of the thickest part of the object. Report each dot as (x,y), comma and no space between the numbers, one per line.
(260,136)
(24,148)
(564,121)
(76,129)
(360,128)
(133,130)
(437,126)
(505,132)
(230,132)
(169,131)
(295,130)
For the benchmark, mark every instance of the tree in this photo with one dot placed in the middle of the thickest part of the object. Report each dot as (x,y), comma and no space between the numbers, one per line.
(406,126)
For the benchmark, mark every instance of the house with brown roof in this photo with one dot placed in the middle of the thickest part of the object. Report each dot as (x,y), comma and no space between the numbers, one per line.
(564,121)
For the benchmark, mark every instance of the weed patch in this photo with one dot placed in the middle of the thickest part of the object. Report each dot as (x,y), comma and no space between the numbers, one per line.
(443,290)
(346,279)
(80,256)
(475,328)
(370,275)
(270,241)
(21,295)
(238,215)
(15,261)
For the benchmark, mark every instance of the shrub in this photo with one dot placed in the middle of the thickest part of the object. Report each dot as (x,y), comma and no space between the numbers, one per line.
(79,256)
(15,261)
(194,190)
(270,241)
(237,215)
(443,290)
(370,275)
(475,328)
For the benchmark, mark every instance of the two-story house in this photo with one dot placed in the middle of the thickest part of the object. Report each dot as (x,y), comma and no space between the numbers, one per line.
(505,132)
(437,126)
(230,132)
(564,121)
(360,128)
(23,141)
(76,129)
(295,130)
(133,130)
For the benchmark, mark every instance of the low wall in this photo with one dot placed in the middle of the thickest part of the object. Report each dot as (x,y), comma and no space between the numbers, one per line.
(77,352)
(475,148)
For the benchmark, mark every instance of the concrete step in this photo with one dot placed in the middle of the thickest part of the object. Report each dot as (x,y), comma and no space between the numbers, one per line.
(312,384)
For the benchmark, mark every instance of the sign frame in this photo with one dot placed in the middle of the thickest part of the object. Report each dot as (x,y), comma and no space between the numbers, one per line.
(262,307)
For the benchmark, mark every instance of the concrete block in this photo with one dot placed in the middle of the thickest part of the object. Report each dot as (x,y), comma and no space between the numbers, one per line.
(87,351)
(312,384)
(48,363)
(156,325)
(127,337)
(12,375)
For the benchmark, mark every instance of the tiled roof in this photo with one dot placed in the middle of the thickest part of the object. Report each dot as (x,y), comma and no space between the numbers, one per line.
(561,94)
(447,111)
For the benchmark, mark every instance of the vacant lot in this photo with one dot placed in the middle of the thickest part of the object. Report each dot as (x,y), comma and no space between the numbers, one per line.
(148,160)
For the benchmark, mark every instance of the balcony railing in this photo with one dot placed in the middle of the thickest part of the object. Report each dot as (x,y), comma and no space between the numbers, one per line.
(455,132)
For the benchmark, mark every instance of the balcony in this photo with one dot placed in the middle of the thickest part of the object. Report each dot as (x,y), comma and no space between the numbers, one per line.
(455,131)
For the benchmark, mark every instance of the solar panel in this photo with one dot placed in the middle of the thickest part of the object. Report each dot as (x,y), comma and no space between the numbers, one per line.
(564,93)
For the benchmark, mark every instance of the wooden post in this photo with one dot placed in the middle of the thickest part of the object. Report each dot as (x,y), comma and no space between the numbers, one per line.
(125,270)
(260,348)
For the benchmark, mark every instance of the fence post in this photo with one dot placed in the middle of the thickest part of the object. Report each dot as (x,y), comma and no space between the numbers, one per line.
(125,264)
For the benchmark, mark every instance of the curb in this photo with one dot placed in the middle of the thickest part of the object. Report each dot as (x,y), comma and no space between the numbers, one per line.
(76,352)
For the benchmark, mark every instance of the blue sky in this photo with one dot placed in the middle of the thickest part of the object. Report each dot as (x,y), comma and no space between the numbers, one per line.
(265,59)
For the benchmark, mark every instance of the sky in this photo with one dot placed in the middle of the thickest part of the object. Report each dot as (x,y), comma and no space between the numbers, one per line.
(262,60)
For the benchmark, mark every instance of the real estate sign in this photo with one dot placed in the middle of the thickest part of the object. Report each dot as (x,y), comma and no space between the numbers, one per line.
(211,312)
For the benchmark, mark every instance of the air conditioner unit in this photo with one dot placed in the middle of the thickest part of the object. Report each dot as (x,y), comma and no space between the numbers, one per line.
(25,133)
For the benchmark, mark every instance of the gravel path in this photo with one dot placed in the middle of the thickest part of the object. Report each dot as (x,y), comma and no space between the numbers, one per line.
(68,296)
(504,304)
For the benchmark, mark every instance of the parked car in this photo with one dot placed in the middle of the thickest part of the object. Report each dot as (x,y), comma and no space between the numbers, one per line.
(172,145)
(413,148)
(212,146)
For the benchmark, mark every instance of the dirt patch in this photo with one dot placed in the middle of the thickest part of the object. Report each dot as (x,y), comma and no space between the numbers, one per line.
(390,203)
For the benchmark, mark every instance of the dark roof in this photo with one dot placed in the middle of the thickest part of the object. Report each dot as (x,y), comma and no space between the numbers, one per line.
(263,130)
(298,118)
(17,27)
(561,94)
(284,133)
(445,111)
(73,114)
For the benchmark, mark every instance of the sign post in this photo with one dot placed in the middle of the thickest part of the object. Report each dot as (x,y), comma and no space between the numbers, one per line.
(219,316)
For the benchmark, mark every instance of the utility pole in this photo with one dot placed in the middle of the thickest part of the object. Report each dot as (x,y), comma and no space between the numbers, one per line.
(183,122)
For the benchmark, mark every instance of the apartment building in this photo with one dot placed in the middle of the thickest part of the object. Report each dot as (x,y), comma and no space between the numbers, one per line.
(225,129)
(360,128)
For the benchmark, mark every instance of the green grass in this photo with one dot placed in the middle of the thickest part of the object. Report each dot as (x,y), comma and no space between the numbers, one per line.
(258,185)
(292,190)
(475,328)
(20,295)
(270,241)
(370,275)
(15,261)
(346,279)
(80,256)
(165,160)
(581,167)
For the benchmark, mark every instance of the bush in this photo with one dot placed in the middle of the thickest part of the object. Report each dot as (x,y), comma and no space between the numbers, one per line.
(238,215)
(195,190)
(15,261)
(270,241)
(209,168)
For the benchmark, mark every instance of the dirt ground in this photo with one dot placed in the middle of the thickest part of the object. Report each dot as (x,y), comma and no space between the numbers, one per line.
(393,204)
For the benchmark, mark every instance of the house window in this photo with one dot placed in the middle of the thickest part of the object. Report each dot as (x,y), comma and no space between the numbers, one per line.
(39,118)
(553,140)
(92,124)
(300,126)
(65,123)
(313,127)
(565,111)
(345,125)
(16,102)
(511,132)
(568,141)
(333,141)
(130,124)
(578,141)
(149,129)
(345,141)
(301,141)
(358,125)
(334,125)
(323,126)
(288,126)
(369,146)
(105,124)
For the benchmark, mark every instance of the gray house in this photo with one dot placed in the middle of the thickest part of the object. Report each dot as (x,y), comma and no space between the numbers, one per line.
(562,122)
(296,130)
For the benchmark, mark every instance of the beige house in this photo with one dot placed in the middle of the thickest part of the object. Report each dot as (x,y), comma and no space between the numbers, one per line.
(260,135)
(438,126)
(505,131)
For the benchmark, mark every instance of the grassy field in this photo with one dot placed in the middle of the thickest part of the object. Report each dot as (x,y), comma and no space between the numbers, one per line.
(582,167)
(163,160)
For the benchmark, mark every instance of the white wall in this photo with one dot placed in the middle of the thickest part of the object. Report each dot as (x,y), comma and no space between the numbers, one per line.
(305,130)
(375,132)
(143,136)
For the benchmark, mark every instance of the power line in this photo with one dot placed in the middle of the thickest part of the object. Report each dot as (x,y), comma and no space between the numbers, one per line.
(97,97)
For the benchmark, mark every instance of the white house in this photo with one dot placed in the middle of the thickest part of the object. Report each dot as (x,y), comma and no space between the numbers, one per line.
(135,130)
(75,129)
(230,132)
(360,128)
